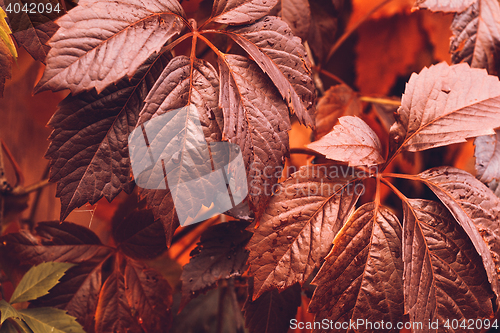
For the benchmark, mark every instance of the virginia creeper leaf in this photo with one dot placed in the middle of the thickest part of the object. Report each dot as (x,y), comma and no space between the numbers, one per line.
(282,57)
(9,327)
(444,5)
(324,23)
(476,36)
(475,208)
(255,118)
(338,101)
(298,226)
(240,11)
(139,236)
(442,264)
(33,28)
(7,311)
(446,104)
(88,149)
(99,42)
(362,275)
(487,153)
(49,320)
(220,254)
(272,311)
(297,14)
(38,281)
(351,141)
(5,34)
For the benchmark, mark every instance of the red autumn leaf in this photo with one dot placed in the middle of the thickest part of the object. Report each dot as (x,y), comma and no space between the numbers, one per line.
(487,153)
(240,11)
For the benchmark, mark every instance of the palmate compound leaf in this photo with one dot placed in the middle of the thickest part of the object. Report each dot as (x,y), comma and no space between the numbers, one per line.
(88,152)
(475,208)
(181,84)
(100,42)
(272,311)
(255,118)
(240,11)
(282,57)
(220,254)
(446,104)
(444,278)
(351,141)
(32,28)
(80,290)
(39,280)
(362,277)
(7,311)
(297,228)
(50,320)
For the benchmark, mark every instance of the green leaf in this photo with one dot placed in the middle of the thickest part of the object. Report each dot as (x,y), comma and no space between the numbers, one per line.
(7,311)
(11,327)
(50,320)
(5,34)
(39,280)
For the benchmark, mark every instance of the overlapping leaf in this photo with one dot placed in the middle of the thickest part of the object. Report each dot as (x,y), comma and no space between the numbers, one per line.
(297,14)
(240,11)
(475,208)
(282,57)
(299,224)
(88,150)
(445,5)
(362,275)
(443,265)
(7,51)
(103,276)
(446,104)
(272,311)
(99,42)
(33,27)
(351,141)
(487,153)
(338,101)
(5,34)
(255,118)
(220,254)
(49,320)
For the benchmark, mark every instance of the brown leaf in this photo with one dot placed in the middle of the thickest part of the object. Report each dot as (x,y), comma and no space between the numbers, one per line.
(444,5)
(362,275)
(297,14)
(324,26)
(476,36)
(298,226)
(272,312)
(487,154)
(446,104)
(88,152)
(442,264)
(220,254)
(5,66)
(240,11)
(255,118)
(267,41)
(338,101)
(351,141)
(475,208)
(99,42)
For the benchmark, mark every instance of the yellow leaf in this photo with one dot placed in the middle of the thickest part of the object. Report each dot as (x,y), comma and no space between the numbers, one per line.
(5,34)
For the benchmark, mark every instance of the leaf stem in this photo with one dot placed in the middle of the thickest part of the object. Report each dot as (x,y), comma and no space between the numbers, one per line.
(378,100)
(356,25)
(399,175)
(305,151)
(330,75)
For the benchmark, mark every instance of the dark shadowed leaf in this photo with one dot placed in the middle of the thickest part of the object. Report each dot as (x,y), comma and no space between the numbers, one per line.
(338,101)
(38,281)
(446,104)
(240,11)
(324,24)
(7,311)
(49,320)
(476,36)
(362,275)
(298,226)
(9,327)
(487,153)
(88,151)
(443,265)
(445,5)
(99,42)
(272,311)
(139,235)
(220,254)
(33,28)
(255,118)
(297,14)
(149,294)
(267,42)
(351,141)
(5,66)
(475,208)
